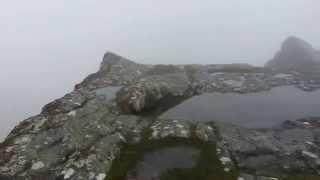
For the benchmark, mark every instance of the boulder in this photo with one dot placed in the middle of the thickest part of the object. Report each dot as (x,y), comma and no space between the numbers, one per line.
(159,82)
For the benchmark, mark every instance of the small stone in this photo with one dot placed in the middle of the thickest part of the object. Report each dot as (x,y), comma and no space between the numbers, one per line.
(266,178)
(40,124)
(184,133)
(4,169)
(91,175)
(179,126)
(155,133)
(121,137)
(306,123)
(72,113)
(101,176)
(9,149)
(88,136)
(310,154)
(309,143)
(68,173)
(23,140)
(225,160)
(38,165)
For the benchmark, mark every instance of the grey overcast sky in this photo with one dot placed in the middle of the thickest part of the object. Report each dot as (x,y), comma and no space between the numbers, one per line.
(48,46)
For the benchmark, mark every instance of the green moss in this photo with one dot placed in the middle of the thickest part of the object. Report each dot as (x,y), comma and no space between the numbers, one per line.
(207,166)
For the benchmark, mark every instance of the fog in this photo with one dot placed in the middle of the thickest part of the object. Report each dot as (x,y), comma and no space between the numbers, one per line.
(48,46)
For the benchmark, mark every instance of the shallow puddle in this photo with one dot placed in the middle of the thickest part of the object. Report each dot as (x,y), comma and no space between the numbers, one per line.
(174,159)
(107,93)
(254,110)
(154,164)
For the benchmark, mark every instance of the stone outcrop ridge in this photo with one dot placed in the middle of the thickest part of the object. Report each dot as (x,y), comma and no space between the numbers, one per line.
(295,54)
(79,135)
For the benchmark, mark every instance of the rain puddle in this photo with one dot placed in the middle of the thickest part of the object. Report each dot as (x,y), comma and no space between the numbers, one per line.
(254,110)
(107,93)
(174,159)
(154,164)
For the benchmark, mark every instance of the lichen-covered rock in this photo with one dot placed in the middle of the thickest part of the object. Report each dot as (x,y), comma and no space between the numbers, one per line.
(273,151)
(148,91)
(163,128)
(114,71)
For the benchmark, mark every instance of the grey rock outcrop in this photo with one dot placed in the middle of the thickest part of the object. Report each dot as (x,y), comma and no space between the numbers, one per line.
(295,54)
(160,81)
(79,135)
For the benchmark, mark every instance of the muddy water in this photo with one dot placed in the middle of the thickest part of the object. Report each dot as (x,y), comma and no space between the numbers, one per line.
(254,110)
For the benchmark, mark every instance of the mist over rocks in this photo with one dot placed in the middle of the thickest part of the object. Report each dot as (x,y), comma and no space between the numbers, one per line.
(296,54)
(81,134)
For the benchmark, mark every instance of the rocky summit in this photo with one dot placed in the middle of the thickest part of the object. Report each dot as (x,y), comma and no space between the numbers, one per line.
(84,134)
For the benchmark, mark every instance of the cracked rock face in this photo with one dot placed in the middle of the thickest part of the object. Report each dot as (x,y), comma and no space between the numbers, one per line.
(79,135)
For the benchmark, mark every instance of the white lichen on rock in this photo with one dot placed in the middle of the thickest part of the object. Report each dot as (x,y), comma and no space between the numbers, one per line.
(37,165)
(225,160)
(101,176)
(72,113)
(310,155)
(67,173)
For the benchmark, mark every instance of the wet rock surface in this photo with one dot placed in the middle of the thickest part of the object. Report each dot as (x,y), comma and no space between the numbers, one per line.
(80,135)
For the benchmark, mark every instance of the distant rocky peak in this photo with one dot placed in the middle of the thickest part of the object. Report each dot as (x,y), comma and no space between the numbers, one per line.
(295,54)
(318,55)
(294,43)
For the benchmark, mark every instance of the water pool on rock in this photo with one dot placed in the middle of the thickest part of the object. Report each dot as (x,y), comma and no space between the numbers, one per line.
(264,109)
(169,159)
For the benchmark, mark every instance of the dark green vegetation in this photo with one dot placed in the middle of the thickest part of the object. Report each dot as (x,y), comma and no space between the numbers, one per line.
(207,165)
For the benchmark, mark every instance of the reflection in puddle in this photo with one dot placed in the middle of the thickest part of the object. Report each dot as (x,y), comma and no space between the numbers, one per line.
(254,110)
(107,93)
(169,159)
(160,161)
